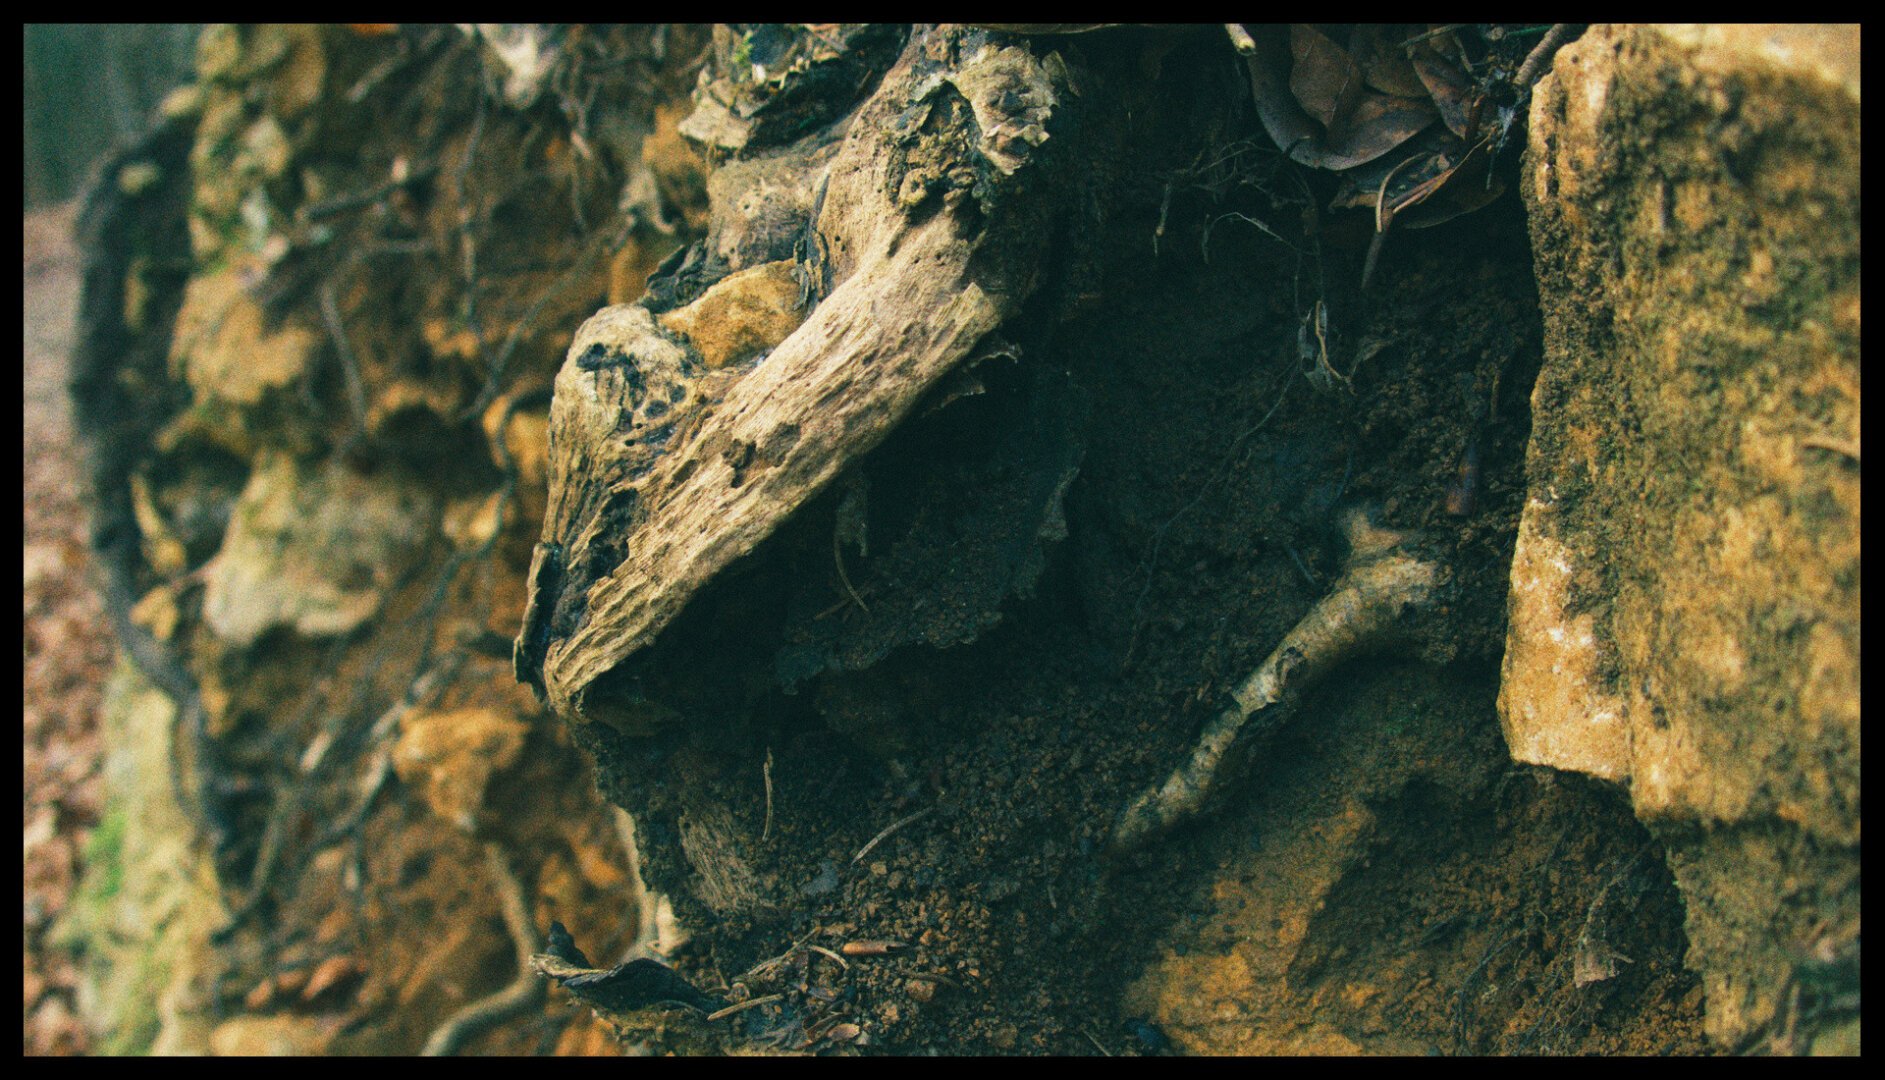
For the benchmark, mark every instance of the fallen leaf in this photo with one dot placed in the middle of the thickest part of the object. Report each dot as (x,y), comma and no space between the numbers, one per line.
(1380,123)
(636,985)
(1449,88)
(1322,77)
(1383,61)
(332,972)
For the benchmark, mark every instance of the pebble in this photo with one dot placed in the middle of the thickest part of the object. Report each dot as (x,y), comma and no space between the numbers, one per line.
(825,882)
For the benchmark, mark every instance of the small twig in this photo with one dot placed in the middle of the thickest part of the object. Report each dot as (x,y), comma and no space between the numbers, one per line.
(822,951)
(837,554)
(340,204)
(1382,215)
(467,216)
(1379,241)
(524,993)
(768,965)
(1097,1045)
(766,833)
(428,686)
(375,76)
(349,365)
(1164,210)
(494,376)
(1459,996)
(939,977)
(1541,55)
(743,1006)
(1297,559)
(471,149)
(882,836)
(1241,40)
(1204,244)
(829,1022)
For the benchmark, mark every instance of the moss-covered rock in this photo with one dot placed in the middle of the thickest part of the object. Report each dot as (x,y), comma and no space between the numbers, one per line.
(1685,605)
(149,900)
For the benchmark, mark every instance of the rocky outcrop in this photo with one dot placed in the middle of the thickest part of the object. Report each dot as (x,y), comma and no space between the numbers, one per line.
(722,450)
(1685,591)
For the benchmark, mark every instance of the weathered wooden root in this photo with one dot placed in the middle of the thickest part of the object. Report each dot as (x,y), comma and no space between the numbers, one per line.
(682,438)
(1366,610)
(657,933)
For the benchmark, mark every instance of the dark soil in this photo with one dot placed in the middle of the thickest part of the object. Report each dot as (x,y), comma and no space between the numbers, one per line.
(1407,888)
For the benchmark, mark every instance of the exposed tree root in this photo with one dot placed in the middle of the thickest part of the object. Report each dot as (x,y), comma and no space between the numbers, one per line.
(659,935)
(669,461)
(526,992)
(1386,580)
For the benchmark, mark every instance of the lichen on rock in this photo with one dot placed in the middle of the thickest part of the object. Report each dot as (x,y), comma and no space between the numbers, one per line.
(1685,605)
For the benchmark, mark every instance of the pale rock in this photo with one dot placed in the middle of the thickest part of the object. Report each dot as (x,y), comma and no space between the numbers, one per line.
(1685,593)
(743,316)
(272,1036)
(226,352)
(451,758)
(312,548)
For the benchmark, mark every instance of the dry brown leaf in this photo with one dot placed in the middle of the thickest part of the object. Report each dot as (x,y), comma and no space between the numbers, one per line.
(1283,118)
(1423,185)
(1322,77)
(1311,99)
(1465,193)
(1449,87)
(1380,123)
(1384,63)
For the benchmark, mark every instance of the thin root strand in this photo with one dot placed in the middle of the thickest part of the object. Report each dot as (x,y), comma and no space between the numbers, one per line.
(1363,612)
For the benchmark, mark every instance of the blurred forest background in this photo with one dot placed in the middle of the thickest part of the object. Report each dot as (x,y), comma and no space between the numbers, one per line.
(88,87)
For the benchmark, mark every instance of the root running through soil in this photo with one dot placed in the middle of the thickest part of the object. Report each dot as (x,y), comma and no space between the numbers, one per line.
(1386,579)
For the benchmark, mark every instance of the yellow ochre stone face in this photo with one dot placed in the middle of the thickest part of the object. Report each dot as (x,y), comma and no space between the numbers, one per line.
(742,316)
